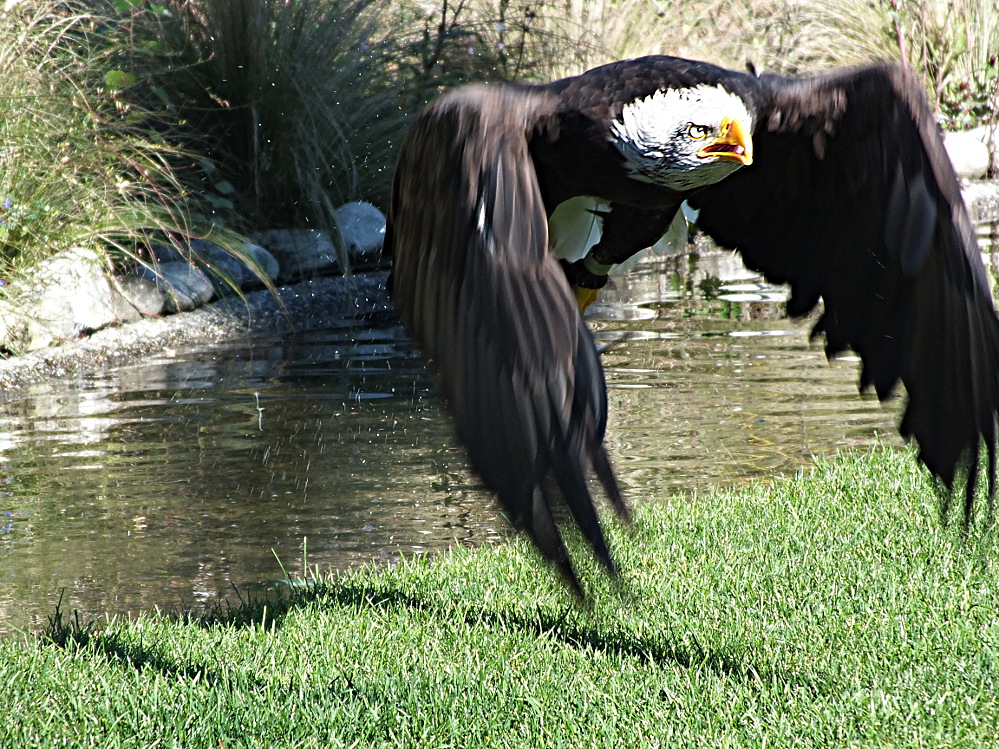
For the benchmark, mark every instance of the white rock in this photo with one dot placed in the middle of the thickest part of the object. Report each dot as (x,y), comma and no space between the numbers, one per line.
(266,263)
(969,151)
(362,227)
(308,253)
(185,286)
(226,270)
(66,295)
(135,296)
(300,253)
(13,328)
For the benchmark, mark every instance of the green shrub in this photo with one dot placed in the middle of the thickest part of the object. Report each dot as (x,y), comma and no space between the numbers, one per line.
(445,44)
(955,44)
(76,167)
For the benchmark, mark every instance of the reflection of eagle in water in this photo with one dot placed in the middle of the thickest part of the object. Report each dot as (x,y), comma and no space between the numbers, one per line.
(838,185)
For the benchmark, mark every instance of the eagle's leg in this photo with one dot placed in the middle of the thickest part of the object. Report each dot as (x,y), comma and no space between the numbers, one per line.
(625,230)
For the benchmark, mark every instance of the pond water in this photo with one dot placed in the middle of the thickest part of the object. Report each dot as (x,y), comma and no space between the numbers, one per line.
(175,481)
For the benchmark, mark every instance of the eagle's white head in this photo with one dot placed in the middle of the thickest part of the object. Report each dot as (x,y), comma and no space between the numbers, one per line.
(684,138)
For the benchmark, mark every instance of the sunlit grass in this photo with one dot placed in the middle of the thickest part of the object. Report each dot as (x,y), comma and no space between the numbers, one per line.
(828,609)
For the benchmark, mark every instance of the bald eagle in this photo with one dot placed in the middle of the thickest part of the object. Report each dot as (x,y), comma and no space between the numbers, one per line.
(837,185)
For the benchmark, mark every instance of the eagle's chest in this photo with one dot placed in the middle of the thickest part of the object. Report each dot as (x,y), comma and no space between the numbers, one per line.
(577,225)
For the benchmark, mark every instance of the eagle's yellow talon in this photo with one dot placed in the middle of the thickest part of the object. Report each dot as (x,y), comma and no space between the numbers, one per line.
(584,296)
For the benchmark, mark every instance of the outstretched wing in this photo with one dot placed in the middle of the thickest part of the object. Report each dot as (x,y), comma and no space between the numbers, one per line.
(852,199)
(476,286)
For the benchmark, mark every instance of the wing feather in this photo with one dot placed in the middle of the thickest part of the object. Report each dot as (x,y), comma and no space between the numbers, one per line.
(852,199)
(476,286)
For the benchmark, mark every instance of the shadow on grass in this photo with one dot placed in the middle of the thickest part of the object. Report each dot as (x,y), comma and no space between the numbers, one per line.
(72,634)
(660,650)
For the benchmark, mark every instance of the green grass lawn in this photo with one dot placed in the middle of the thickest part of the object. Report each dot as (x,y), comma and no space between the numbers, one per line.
(826,610)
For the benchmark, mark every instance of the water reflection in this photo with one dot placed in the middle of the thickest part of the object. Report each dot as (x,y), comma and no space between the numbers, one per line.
(169,482)
(722,387)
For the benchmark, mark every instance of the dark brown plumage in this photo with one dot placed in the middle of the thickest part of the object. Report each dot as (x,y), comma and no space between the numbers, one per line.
(850,198)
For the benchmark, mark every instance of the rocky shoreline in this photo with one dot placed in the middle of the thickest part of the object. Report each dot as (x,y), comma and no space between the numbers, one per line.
(306,305)
(71,317)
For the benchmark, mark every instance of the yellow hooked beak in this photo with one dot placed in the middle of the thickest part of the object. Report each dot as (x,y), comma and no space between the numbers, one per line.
(733,142)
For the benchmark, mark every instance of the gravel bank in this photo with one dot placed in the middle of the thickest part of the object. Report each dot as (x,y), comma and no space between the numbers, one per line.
(303,306)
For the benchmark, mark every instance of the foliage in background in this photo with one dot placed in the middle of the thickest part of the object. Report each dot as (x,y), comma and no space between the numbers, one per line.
(449,42)
(290,104)
(296,107)
(76,168)
(954,44)
(123,117)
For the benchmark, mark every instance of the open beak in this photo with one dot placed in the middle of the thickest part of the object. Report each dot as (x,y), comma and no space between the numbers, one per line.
(734,142)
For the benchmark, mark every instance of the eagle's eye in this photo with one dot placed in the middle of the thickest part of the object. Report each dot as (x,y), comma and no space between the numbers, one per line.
(698,132)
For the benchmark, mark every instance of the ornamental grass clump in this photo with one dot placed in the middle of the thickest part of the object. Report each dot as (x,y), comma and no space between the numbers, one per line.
(290,105)
(79,164)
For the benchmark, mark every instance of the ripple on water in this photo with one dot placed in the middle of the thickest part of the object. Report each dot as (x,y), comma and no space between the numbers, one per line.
(167,482)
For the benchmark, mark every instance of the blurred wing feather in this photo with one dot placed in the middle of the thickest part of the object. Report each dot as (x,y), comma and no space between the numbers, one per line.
(474,282)
(852,199)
